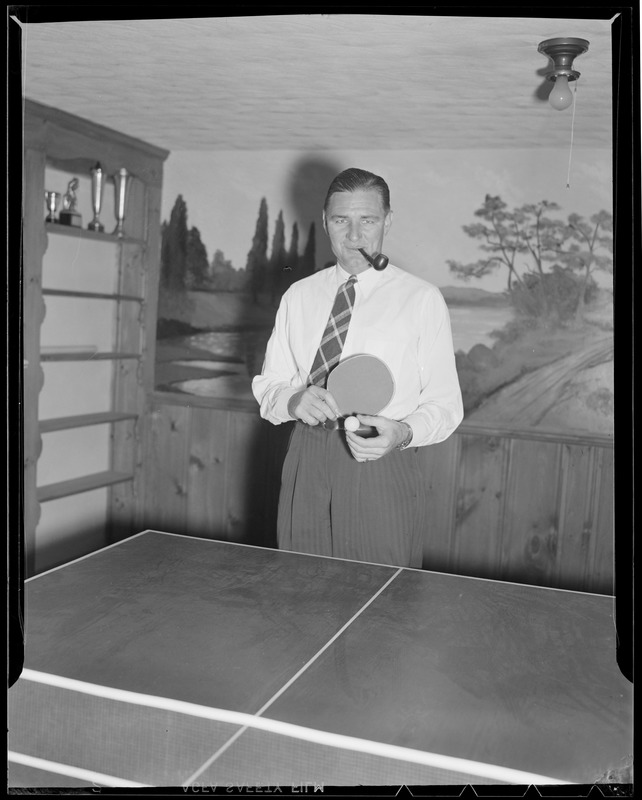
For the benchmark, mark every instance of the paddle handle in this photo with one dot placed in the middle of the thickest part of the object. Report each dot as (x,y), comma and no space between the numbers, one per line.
(352,424)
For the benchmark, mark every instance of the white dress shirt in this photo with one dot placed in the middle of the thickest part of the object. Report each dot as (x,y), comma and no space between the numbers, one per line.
(398,317)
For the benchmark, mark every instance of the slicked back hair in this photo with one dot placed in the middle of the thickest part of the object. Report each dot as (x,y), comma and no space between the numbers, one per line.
(352,179)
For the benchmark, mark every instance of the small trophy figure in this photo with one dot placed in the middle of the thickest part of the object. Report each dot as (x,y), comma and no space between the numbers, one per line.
(52,199)
(121,184)
(97,184)
(69,215)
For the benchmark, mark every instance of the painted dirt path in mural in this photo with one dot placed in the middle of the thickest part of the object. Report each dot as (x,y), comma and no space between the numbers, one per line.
(530,399)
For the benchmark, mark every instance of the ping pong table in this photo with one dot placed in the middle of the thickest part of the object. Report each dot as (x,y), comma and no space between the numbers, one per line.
(171,661)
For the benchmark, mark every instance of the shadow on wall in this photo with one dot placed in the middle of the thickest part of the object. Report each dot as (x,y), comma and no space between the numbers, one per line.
(245,508)
(235,325)
(307,187)
(308,183)
(263,483)
(213,474)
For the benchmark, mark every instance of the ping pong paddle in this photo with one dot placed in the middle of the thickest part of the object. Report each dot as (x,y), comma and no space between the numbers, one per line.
(361,384)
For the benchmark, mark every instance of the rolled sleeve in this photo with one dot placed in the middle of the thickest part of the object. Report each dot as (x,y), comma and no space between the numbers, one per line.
(279,379)
(440,408)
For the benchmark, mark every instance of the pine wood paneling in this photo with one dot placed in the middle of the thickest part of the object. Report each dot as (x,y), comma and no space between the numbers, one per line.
(578,464)
(207,466)
(245,471)
(128,389)
(440,464)
(601,570)
(166,470)
(530,531)
(480,497)
(518,507)
(125,457)
(150,281)
(34,245)
(276,440)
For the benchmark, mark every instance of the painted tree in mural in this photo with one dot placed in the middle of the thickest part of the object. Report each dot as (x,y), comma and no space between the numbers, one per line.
(293,252)
(197,264)
(541,255)
(307,264)
(174,238)
(224,278)
(278,259)
(257,259)
(589,248)
(283,264)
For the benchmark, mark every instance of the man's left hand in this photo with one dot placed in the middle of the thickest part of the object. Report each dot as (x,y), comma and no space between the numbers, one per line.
(390,434)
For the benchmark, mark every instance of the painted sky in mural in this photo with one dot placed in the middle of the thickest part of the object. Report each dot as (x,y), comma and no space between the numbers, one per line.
(433,195)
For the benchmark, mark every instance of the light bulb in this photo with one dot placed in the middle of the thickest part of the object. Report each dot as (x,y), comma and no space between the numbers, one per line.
(560,96)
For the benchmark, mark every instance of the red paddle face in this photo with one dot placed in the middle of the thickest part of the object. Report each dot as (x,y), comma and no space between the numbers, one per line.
(361,384)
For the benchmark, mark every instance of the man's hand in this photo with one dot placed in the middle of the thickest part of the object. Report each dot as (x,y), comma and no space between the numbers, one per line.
(390,435)
(313,406)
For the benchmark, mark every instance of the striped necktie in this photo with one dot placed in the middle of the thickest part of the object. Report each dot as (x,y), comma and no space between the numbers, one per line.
(335,333)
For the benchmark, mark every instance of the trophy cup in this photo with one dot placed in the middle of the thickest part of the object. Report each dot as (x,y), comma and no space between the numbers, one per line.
(69,215)
(52,199)
(97,184)
(121,184)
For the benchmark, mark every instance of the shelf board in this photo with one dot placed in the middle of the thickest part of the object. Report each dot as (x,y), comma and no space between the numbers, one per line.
(99,480)
(85,233)
(92,295)
(85,355)
(83,420)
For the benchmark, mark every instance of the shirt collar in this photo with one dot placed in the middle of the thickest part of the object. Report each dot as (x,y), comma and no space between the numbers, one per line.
(366,280)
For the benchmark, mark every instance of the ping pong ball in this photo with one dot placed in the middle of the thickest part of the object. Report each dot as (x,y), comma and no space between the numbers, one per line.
(351,424)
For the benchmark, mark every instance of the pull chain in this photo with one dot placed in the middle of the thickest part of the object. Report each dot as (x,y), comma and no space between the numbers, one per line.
(570,154)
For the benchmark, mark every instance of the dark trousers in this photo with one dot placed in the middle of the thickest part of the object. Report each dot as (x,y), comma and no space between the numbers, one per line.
(330,504)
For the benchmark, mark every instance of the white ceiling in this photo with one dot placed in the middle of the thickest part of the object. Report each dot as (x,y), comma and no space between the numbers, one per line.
(322,82)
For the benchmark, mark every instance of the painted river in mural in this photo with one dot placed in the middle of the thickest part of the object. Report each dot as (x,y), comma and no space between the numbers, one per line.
(226,372)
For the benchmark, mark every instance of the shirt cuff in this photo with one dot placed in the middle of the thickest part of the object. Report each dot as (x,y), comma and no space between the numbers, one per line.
(276,409)
(432,428)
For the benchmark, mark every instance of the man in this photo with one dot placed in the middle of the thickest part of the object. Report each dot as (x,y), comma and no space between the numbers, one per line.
(342,494)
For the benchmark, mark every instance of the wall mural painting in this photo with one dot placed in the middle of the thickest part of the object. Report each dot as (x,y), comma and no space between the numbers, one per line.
(537,354)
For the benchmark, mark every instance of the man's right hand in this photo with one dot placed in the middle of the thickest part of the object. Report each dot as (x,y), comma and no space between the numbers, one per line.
(313,406)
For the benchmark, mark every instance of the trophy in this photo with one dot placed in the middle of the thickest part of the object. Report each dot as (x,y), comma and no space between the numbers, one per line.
(97,184)
(121,184)
(69,215)
(52,199)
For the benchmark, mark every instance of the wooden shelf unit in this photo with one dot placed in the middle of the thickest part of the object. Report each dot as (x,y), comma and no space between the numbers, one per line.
(55,140)
(87,355)
(87,483)
(91,295)
(84,420)
(85,233)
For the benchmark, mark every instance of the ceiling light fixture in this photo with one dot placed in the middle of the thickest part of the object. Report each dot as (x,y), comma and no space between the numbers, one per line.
(562,51)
